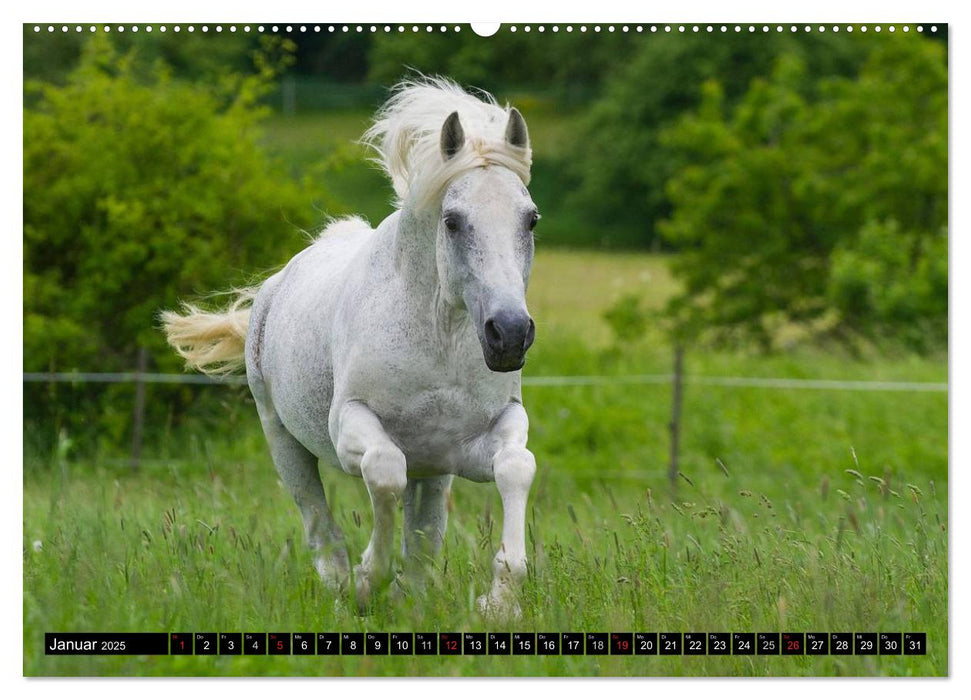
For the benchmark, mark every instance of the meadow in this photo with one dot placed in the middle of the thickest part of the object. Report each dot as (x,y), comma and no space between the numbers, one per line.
(797,510)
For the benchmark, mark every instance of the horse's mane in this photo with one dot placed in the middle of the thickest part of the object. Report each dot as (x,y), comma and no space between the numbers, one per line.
(407,130)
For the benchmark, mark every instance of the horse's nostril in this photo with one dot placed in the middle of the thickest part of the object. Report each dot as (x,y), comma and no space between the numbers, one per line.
(493,334)
(530,335)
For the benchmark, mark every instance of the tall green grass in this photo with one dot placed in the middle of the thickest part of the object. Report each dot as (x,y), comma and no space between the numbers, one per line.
(212,543)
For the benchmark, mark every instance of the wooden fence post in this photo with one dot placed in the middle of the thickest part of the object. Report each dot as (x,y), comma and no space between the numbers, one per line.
(675,424)
(138,418)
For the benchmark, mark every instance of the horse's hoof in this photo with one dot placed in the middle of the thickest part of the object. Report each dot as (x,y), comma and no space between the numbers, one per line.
(413,583)
(398,591)
(362,589)
(499,607)
(333,574)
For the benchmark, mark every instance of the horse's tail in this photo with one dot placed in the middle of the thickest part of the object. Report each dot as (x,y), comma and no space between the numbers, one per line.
(211,342)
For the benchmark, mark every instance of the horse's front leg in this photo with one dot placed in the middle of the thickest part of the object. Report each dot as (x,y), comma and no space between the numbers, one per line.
(365,448)
(513,467)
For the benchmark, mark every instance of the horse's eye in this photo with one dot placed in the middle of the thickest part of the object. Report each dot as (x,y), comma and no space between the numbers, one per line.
(533,220)
(451,223)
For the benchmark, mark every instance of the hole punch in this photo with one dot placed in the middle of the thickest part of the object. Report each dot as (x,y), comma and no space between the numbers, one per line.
(485,29)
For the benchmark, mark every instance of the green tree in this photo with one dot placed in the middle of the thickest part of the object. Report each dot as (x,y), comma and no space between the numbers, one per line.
(620,163)
(140,189)
(817,205)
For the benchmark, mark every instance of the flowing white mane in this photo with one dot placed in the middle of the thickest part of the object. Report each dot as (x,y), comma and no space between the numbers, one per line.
(406,135)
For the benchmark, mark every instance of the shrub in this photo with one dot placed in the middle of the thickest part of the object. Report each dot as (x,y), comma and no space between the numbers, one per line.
(140,189)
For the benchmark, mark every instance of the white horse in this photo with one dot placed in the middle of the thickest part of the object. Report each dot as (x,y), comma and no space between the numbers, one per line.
(396,352)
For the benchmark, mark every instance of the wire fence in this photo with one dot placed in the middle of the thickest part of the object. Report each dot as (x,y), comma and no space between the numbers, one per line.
(551,381)
(141,379)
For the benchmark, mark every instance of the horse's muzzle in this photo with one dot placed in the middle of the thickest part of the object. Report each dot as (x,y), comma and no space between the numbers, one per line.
(505,338)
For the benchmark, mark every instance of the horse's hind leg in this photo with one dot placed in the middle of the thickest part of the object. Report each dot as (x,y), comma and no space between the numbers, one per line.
(297,468)
(426,515)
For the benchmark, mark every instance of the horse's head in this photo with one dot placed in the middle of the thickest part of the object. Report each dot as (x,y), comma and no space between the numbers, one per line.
(485,247)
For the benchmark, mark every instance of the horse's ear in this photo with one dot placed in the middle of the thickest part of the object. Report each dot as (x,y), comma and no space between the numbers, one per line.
(453,136)
(516,133)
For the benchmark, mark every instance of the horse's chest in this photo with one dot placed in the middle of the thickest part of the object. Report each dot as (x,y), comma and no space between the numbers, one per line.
(434,422)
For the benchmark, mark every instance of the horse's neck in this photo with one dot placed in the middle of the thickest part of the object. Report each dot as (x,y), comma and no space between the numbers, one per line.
(414,252)
(416,263)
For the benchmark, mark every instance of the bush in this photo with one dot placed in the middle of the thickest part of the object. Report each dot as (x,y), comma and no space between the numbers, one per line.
(140,189)
(627,319)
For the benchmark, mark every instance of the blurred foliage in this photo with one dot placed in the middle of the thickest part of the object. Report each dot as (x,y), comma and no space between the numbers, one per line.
(140,189)
(619,162)
(195,56)
(334,56)
(627,319)
(568,66)
(815,202)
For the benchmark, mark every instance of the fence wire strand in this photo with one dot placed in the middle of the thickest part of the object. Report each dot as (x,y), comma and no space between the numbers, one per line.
(538,381)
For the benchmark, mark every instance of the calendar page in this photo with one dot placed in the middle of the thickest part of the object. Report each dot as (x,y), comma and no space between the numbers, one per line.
(526,349)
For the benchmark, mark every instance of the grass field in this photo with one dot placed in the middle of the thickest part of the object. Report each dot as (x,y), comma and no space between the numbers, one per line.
(800,511)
